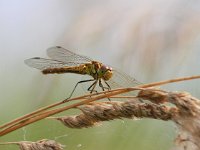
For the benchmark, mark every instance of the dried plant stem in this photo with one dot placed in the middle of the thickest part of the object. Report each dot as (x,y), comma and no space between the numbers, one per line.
(169,81)
(55,111)
(8,143)
(96,112)
(40,114)
(43,109)
(185,113)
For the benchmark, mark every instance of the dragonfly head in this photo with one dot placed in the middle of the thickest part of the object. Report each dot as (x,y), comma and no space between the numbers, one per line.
(106,72)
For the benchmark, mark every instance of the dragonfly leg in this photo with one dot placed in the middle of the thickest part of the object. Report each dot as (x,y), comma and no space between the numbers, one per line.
(103,88)
(109,88)
(93,86)
(77,85)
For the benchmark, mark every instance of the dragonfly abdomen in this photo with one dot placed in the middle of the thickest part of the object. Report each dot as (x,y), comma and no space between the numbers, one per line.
(61,70)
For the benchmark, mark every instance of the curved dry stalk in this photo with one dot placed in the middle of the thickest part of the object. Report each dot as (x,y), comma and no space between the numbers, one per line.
(96,112)
(55,111)
(169,81)
(187,118)
(41,113)
(32,114)
(185,113)
(13,122)
(41,110)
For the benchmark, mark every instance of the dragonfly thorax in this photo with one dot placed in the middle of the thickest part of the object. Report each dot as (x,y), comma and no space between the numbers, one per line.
(99,71)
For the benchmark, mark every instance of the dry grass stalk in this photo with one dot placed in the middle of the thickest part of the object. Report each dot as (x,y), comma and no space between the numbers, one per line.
(185,112)
(43,112)
(38,116)
(187,118)
(96,112)
(39,145)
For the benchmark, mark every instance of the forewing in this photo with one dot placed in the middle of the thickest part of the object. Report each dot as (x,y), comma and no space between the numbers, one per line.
(64,55)
(121,79)
(42,63)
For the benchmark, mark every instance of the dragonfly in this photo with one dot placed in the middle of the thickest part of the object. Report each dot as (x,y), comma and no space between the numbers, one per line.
(62,61)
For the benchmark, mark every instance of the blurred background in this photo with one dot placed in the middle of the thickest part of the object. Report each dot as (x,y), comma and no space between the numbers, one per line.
(149,40)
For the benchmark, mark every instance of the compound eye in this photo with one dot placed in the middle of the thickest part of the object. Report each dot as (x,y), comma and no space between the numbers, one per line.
(104,68)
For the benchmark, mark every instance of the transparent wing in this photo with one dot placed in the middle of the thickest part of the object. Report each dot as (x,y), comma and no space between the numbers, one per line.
(66,56)
(42,63)
(121,79)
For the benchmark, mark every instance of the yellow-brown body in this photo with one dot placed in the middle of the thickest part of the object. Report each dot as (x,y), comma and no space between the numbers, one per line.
(95,69)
